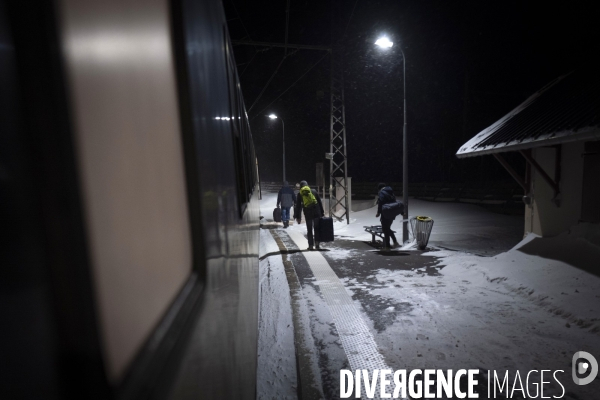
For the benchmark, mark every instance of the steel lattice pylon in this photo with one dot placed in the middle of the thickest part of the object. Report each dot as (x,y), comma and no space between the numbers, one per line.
(338,166)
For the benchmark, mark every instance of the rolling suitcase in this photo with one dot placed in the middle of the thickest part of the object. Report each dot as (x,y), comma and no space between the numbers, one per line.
(326,229)
(277,214)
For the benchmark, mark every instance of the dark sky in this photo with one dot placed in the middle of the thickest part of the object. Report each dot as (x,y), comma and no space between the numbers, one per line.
(468,64)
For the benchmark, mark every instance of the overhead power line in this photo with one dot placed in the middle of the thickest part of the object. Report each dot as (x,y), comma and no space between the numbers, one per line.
(274,44)
(349,19)
(247,34)
(268,83)
(287,25)
(297,80)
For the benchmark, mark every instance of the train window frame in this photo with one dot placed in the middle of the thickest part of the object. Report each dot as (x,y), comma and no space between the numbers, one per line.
(168,341)
(190,158)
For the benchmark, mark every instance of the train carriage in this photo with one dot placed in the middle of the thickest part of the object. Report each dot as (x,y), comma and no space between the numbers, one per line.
(130,203)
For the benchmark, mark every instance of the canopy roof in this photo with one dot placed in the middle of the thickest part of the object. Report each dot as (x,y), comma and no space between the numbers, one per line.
(566,110)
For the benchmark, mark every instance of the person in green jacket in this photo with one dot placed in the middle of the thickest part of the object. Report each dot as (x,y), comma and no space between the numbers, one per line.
(308,200)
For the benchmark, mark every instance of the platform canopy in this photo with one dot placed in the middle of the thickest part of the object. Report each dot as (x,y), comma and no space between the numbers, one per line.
(565,110)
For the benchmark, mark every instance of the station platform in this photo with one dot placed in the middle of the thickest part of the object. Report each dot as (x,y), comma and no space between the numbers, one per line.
(353,306)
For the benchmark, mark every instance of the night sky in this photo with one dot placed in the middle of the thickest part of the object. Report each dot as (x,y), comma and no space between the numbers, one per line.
(468,64)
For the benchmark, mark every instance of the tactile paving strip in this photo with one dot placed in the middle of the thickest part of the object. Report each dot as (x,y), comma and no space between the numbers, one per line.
(357,341)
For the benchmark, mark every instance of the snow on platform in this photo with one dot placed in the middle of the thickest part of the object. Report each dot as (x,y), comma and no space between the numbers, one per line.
(502,302)
(356,338)
(276,368)
(267,244)
(457,226)
(449,310)
(560,274)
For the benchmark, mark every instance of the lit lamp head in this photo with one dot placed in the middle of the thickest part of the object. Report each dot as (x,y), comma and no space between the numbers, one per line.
(273,116)
(384,43)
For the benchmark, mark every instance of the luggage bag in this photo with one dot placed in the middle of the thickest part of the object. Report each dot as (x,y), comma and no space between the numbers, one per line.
(277,214)
(392,210)
(326,229)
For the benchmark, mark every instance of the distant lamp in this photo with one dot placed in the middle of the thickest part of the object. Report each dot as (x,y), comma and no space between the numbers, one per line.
(384,43)
(273,116)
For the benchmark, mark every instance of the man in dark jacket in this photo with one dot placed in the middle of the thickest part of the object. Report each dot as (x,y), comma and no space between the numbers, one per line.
(385,196)
(287,198)
(308,200)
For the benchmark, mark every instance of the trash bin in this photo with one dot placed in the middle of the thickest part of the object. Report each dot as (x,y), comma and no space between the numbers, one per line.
(421,229)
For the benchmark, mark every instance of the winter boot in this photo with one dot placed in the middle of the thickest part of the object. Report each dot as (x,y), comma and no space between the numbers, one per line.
(317,246)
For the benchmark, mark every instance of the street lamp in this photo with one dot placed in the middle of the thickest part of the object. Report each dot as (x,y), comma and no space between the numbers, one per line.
(385,43)
(273,116)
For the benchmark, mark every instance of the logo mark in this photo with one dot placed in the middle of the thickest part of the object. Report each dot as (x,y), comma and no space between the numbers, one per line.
(590,364)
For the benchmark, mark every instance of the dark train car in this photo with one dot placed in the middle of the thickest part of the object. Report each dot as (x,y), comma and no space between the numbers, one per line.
(129,215)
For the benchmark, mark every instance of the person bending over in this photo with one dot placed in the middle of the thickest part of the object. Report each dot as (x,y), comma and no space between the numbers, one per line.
(385,196)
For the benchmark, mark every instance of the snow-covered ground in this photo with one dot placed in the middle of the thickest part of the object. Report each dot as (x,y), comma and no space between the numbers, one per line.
(510,312)
(529,306)
(457,226)
(276,374)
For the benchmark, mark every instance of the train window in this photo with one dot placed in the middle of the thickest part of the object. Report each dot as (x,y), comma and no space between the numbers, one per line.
(130,155)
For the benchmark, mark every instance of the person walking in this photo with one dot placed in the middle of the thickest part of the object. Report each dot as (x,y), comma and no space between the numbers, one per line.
(287,198)
(297,193)
(385,196)
(309,201)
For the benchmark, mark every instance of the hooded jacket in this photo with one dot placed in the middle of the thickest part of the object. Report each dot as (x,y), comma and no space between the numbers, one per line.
(386,195)
(286,197)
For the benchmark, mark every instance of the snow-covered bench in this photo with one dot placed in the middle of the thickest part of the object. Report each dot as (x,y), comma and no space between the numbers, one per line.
(375,230)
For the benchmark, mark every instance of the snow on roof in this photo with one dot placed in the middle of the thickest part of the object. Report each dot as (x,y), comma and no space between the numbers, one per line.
(565,110)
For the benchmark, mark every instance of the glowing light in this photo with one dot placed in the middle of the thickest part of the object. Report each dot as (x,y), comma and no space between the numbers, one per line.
(273,116)
(384,42)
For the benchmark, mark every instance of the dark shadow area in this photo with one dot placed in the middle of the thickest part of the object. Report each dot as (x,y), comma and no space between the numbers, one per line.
(381,310)
(391,253)
(578,253)
(458,249)
(378,244)
(289,252)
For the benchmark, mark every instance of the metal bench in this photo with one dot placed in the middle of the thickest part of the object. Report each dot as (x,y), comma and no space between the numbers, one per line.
(375,230)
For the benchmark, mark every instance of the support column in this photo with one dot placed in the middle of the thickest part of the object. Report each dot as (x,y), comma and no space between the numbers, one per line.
(340,192)
(338,166)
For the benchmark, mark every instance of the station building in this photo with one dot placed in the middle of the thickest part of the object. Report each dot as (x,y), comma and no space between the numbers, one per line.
(557,131)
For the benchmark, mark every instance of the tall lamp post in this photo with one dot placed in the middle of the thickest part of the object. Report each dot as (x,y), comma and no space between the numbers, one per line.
(273,116)
(385,43)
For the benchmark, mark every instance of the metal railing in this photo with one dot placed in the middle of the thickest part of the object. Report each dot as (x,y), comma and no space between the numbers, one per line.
(504,197)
